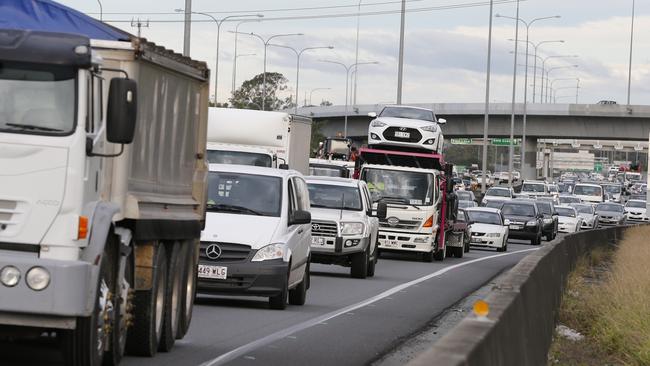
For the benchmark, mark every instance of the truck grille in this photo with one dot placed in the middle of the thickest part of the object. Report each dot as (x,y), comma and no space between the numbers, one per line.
(401,224)
(414,134)
(324,228)
(229,252)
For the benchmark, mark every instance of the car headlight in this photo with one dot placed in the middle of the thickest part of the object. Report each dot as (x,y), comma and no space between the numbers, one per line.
(429,128)
(351,228)
(270,252)
(531,223)
(377,124)
(38,278)
(493,235)
(10,276)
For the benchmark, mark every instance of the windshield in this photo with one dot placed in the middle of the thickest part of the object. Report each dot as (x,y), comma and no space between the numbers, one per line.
(244,194)
(498,192)
(636,204)
(610,207)
(466,204)
(530,187)
(494,204)
(585,209)
(552,189)
(485,217)
(587,191)
(336,197)
(239,158)
(632,176)
(465,196)
(413,188)
(569,199)
(404,112)
(37,98)
(321,171)
(544,207)
(612,189)
(518,209)
(565,211)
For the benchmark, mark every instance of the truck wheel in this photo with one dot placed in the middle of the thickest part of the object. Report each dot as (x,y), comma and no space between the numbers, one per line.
(190,258)
(298,295)
(279,302)
(359,268)
(428,257)
(173,297)
(440,254)
(458,252)
(123,307)
(149,310)
(85,345)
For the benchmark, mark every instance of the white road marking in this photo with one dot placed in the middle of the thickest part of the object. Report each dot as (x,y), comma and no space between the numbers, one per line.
(287,332)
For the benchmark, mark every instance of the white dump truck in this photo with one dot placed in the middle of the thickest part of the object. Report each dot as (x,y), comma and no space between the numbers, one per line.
(260,138)
(103,176)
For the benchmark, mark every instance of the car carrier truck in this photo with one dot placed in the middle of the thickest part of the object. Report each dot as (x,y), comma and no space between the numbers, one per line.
(103,181)
(421,214)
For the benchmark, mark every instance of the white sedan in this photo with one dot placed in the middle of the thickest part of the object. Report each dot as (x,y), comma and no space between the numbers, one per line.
(487,228)
(568,221)
(588,214)
(635,211)
(408,127)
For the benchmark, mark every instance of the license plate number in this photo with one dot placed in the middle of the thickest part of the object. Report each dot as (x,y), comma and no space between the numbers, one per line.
(403,135)
(516,227)
(317,241)
(476,240)
(391,243)
(214,272)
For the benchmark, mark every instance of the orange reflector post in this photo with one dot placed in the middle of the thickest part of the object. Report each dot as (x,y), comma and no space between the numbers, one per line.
(429,222)
(481,308)
(83,227)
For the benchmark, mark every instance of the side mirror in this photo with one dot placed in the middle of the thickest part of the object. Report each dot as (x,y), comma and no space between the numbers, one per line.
(372,114)
(284,166)
(121,111)
(506,222)
(442,121)
(382,210)
(300,217)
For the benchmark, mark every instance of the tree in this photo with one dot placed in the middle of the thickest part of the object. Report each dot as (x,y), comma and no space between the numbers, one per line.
(325,103)
(249,95)
(317,136)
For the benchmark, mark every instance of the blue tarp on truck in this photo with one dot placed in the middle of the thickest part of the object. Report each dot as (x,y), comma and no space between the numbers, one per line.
(50,16)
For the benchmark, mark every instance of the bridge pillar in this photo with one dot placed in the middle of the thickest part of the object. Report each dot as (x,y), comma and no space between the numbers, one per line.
(529,161)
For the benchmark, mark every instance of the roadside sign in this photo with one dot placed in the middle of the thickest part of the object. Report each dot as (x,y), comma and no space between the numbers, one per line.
(461,141)
(598,167)
(503,141)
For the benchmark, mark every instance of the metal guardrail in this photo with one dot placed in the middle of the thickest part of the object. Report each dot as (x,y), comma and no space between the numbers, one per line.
(523,309)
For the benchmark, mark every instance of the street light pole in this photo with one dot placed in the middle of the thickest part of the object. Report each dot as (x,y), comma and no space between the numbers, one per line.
(298,54)
(312,92)
(629,71)
(541,93)
(187,28)
(548,78)
(347,76)
(266,44)
(400,66)
(234,71)
(234,66)
(101,11)
(356,55)
(487,103)
(536,57)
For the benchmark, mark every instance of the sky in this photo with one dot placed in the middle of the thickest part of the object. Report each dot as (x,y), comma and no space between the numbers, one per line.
(445,53)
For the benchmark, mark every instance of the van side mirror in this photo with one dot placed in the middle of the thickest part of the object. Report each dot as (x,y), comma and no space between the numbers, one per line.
(372,114)
(300,217)
(121,111)
(441,121)
(284,166)
(382,210)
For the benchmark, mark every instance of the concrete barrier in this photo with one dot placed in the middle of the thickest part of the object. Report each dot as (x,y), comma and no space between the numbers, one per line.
(523,309)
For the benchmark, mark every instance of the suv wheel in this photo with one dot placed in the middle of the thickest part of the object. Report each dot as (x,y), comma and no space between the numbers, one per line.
(359,268)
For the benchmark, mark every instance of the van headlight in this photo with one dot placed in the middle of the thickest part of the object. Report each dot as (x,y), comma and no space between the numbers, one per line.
(377,124)
(10,276)
(270,252)
(351,228)
(38,278)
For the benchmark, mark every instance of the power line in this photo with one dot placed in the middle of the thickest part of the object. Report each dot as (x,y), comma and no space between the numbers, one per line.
(344,15)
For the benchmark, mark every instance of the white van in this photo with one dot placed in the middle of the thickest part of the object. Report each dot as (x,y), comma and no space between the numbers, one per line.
(590,193)
(257,235)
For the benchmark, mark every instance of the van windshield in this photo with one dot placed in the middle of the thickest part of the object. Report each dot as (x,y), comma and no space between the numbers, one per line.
(587,191)
(394,186)
(37,99)
(244,194)
(239,158)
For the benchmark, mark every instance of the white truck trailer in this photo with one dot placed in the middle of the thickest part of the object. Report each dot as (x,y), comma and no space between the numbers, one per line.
(261,138)
(103,176)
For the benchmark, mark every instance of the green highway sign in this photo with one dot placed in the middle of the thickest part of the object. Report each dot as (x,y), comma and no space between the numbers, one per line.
(503,141)
(598,167)
(461,141)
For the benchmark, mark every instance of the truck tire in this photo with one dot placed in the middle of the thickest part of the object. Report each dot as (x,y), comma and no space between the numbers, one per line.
(428,256)
(459,251)
(298,295)
(122,308)
(440,254)
(359,267)
(149,310)
(85,345)
(190,258)
(173,297)
(279,302)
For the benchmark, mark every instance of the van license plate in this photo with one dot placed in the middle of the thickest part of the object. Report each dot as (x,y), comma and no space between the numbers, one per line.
(214,272)
(403,135)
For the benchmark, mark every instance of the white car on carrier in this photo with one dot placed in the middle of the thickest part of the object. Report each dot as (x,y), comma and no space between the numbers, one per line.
(344,230)
(406,127)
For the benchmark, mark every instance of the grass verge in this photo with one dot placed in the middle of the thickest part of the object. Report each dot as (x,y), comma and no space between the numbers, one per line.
(608,300)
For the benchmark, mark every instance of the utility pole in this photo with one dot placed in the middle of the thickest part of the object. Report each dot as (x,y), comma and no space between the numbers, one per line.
(514,92)
(188,28)
(487,104)
(139,24)
(629,71)
(400,67)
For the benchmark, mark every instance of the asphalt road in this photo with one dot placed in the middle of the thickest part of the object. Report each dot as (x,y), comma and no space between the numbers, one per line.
(344,322)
